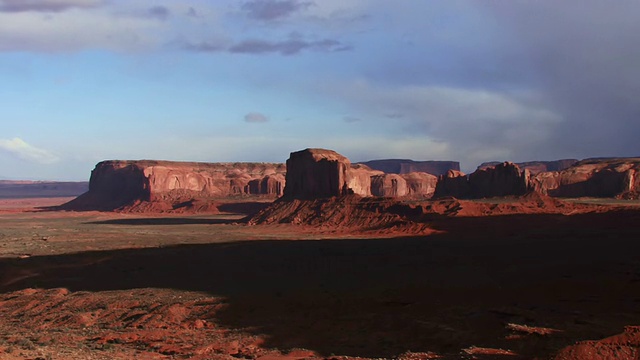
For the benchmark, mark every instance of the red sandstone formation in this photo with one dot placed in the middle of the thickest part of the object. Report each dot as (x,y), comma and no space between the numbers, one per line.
(504,179)
(420,184)
(320,173)
(592,177)
(115,184)
(405,166)
(536,167)
(453,183)
(388,185)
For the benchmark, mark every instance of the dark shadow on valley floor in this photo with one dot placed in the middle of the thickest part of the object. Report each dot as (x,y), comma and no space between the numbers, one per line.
(382,297)
(166,221)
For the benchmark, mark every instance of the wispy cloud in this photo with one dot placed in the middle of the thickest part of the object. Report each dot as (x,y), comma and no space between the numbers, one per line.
(351,119)
(268,10)
(159,12)
(21,149)
(256,117)
(46,5)
(288,47)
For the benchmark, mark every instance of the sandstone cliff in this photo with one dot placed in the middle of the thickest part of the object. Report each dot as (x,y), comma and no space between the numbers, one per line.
(405,166)
(592,177)
(503,179)
(536,167)
(420,184)
(115,183)
(321,173)
(388,185)
(453,183)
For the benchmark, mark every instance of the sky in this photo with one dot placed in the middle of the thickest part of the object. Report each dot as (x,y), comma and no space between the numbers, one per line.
(83,81)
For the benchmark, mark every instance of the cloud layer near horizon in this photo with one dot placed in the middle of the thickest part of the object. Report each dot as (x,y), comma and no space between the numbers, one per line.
(469,81)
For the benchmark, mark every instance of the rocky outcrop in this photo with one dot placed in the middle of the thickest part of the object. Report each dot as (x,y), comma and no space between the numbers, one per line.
(536,167)
(501,180)
(268,185)
(592,178)
(321,173)
(504,179)
(453,183)
(116,183)
(405,166)
(359,179)
(388,185)
(420,184)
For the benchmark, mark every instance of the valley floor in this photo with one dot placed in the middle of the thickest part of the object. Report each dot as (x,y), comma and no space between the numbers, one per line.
(94,285)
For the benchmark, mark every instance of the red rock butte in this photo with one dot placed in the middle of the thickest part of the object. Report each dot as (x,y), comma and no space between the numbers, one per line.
(115,183)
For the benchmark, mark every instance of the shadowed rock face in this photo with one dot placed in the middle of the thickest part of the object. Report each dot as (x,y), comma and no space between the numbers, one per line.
(114,184)
(453,183)
(321,173)
(592,177)
(501,180)
(405,166)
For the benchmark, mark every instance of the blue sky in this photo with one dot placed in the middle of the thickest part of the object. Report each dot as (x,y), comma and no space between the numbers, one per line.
(473,81)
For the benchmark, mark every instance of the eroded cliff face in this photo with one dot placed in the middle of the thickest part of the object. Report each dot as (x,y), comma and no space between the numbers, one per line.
(420,184)
(405,166)
(321,173)
(592,178)
(536,167)
(453,183)
(389,185)
(504,179)
(115,184)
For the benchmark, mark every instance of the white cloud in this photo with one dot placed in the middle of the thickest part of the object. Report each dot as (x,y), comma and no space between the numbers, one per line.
(25,151)
(46,5)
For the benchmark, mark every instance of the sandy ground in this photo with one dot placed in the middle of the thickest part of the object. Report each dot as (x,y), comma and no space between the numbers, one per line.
(91,285)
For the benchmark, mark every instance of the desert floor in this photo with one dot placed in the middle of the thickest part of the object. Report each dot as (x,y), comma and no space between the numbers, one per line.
(91,285)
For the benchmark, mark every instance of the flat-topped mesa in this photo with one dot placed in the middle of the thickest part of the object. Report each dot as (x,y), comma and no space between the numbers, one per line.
(618,177)
(117,183)
(536,167)
(321,173)
(405,166)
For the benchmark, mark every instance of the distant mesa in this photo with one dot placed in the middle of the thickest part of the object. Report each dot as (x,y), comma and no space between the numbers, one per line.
(119,184)
(159,186)
(405,166)
(321,173)
(34,189)
(617,177)
(587,178)
(536,167)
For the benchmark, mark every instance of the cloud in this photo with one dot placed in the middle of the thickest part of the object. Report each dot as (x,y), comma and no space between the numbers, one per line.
(46,5)
(24,151)
(475,124)
(351,119)
(288,47)
(76,29)
(268,10)
(255,117)
(159,12)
